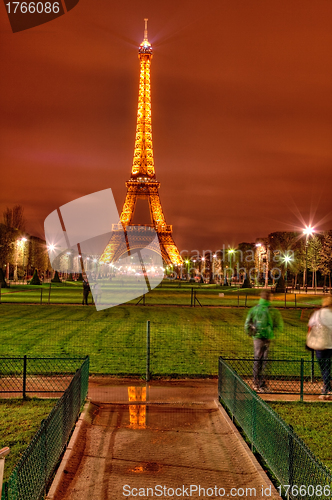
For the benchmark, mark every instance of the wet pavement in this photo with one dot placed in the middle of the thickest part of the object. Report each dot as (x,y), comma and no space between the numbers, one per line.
(162,439)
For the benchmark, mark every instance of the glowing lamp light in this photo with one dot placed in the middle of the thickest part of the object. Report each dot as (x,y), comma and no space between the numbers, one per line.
(51,247)
(95,260)
(24,239)
(258,244)
(308,231)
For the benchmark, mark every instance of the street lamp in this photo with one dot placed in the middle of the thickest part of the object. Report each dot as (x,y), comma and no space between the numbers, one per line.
(308,231)
(286,259)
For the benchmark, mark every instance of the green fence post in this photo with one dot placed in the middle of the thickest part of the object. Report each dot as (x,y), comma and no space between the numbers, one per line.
(285,297)
(148,351)
(290,457)
(301,387)
(24,377)
(44,439)
(312,365)
(191,297)
(41,296)
(49,294)
(234,399)
(253,423)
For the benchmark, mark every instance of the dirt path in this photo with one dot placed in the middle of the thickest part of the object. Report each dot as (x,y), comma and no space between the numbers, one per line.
(177,439)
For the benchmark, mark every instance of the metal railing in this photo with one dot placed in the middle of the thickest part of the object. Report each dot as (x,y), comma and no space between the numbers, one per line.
(185,348)
(34,375)
(34,471)
(169,292)
(290,460)
(282,376)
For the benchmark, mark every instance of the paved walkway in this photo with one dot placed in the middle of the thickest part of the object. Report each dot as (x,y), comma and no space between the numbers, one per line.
(164,440)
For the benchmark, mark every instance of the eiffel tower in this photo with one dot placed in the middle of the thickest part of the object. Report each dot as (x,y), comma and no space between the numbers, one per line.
(142,183)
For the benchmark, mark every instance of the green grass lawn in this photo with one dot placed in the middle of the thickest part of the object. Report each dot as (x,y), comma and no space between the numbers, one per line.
(19,422)
(183,340)
(312,422)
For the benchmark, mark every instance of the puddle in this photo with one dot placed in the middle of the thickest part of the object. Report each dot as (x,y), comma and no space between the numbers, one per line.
(149,467)
(111,390)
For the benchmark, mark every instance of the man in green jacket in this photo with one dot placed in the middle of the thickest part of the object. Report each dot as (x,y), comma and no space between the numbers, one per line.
(260,325)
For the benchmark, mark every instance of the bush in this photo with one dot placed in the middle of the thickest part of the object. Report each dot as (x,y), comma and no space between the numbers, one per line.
(281,285)
(56,278)
(70,277)
(246,283)
(35,279)
(2,279)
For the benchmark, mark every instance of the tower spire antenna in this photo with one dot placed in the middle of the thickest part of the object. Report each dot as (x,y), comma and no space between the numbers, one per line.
(145,30)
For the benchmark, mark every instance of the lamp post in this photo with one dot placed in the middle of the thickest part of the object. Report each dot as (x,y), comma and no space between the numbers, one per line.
(308,231)
(23,246)
(230,253)
(187,262)
(286,258)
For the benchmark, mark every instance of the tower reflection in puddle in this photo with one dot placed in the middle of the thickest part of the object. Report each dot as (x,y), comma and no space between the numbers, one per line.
(137,412)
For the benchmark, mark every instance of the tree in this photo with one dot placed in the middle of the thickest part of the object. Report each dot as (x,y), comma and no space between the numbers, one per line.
(14,218)
(246,259)
(12,228)
(37,255)
(7,238)
(325,264)
(314,258)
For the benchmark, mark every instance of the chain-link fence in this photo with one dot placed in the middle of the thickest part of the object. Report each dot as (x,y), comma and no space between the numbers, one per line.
(290,460)
(282,376)
(32,376)
(35,469)
(167,293)
(120,348)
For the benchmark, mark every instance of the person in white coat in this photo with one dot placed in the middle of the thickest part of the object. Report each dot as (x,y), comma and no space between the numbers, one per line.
(324,317)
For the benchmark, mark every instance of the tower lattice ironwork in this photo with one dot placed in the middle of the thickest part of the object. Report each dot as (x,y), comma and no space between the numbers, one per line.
(142,183)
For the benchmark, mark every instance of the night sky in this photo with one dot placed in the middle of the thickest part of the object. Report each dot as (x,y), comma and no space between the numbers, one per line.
(241,113)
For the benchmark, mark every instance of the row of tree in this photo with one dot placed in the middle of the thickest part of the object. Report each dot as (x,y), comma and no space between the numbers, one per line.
(294,255)
(20,253)
(282,254)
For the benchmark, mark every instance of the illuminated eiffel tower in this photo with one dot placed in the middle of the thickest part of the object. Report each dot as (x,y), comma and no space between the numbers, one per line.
(142,183)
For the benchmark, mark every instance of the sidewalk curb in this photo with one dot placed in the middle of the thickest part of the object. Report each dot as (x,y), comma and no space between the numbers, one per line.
(67,455)
(265,479)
